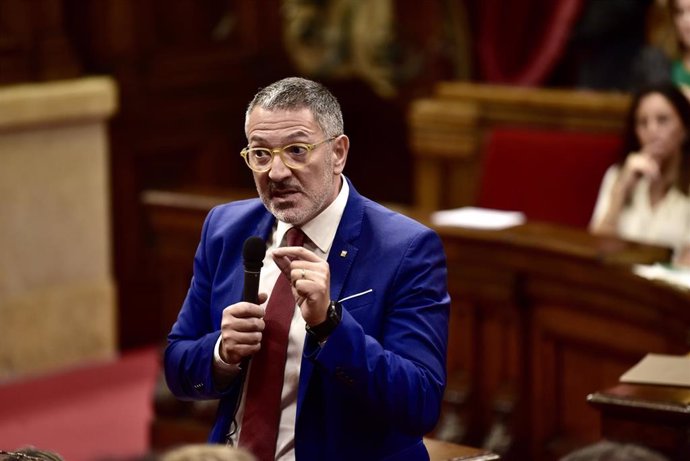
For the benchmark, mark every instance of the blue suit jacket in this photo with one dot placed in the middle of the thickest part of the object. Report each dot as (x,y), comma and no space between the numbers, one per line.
(375,388)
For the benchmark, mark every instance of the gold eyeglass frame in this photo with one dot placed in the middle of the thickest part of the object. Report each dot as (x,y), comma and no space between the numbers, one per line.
(281,151)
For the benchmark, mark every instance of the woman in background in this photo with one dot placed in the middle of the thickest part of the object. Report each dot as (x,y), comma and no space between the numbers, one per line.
(645,196)
(680,67)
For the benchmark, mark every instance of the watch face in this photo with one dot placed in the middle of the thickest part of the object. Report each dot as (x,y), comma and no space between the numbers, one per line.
(333,313)
(337,309)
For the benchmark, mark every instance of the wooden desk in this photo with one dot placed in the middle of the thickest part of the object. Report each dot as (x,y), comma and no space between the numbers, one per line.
(655,416)
(541,317)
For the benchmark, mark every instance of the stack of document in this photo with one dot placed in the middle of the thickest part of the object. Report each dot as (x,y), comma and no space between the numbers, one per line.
(478,218)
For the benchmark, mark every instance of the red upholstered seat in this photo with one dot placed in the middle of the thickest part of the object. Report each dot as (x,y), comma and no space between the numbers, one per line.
(550,175)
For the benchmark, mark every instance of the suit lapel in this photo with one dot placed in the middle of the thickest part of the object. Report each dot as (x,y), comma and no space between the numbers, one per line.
(265,226)
(340,261)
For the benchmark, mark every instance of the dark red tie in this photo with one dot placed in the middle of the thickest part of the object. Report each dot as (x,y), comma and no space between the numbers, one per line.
(259,431)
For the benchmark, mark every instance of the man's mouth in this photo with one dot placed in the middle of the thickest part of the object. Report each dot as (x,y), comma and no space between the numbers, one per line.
(283,194)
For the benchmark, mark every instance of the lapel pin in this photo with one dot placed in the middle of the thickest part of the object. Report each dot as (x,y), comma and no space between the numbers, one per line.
(343,253)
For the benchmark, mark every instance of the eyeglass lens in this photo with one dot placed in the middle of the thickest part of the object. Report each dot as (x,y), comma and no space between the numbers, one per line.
(294,155)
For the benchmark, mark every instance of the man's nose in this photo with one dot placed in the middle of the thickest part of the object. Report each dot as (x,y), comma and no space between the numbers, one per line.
(278,169)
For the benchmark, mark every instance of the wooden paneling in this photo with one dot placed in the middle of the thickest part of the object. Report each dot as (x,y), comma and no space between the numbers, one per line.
(555,314)
(34,43)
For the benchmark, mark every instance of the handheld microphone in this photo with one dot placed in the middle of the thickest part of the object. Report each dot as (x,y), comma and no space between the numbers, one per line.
(253,253)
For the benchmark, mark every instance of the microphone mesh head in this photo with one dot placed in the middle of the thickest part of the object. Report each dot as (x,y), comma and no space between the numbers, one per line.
(253,253)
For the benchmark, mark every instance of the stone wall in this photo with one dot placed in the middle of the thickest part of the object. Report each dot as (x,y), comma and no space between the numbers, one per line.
(57,293)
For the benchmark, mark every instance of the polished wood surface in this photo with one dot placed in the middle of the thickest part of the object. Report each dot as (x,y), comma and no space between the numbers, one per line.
(448,130)
(541,317)
(652,415)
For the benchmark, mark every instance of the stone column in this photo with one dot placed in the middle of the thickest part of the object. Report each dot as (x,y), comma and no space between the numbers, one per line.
(57,293)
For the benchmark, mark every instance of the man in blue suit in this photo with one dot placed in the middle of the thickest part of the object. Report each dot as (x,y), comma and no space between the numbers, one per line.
(364,372)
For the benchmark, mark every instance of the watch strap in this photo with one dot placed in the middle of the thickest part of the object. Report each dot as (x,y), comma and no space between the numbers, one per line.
(324,329)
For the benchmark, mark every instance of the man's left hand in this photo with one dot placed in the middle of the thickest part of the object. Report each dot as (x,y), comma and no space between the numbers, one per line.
(310,277)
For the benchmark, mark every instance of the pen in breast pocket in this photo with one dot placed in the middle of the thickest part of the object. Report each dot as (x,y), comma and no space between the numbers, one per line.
(355,295)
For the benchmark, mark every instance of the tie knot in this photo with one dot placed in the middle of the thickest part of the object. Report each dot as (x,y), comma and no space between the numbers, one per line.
(295,237)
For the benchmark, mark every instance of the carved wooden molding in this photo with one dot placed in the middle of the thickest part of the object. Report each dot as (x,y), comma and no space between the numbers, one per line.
(92,98)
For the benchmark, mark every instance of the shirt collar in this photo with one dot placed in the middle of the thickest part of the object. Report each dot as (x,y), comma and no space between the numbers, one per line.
(321,230)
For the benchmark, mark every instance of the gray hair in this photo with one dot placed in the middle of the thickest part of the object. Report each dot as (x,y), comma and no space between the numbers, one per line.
(206,452)
(613,451)
(295,93)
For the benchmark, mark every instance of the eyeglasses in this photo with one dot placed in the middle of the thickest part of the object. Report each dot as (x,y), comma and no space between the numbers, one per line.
(294,156)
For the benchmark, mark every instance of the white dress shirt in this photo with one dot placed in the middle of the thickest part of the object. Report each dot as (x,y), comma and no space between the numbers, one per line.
(666,224)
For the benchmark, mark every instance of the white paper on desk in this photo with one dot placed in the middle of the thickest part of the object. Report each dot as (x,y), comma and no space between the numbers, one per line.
(670,370)
(478,218)
(675,276)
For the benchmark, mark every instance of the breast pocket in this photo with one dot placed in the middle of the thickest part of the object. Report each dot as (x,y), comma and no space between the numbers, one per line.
(358,300)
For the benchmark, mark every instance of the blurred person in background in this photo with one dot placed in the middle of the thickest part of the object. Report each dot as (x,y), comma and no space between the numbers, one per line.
(29,454)
(668,55)
(206,452)
(613,451)
(644,197)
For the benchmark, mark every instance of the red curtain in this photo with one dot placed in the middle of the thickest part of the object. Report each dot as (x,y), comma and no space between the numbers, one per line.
(521,41)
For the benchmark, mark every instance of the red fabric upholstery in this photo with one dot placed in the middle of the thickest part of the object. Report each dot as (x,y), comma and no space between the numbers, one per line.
(549,175)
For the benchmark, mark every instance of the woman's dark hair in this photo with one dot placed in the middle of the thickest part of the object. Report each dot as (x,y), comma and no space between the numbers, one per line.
(680,104)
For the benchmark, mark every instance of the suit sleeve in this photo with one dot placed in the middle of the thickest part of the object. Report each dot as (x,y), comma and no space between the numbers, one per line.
(188,357)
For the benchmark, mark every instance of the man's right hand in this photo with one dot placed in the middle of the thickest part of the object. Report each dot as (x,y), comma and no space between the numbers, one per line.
(241,330)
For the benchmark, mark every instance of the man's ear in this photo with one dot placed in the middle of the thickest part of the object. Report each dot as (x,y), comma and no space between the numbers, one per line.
(341,146)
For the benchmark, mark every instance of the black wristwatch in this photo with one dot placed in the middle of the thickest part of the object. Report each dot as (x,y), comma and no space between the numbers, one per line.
(324,329)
